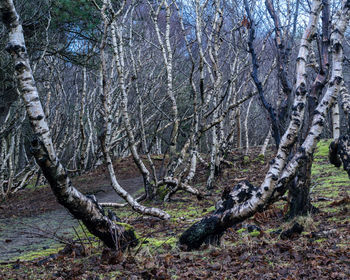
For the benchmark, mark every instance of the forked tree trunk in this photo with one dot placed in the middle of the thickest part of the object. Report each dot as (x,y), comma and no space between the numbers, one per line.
(81,207)
(244,199)
(299,189)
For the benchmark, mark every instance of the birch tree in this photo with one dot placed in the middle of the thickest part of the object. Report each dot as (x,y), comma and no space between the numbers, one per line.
(245,199)
(80,206)
(118,55)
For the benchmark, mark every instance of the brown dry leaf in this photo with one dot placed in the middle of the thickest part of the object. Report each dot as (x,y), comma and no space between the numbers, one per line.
(167,259)
(215,253)
(344,200)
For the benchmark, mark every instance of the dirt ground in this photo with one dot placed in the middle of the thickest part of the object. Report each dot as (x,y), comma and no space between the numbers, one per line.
(35,201)
(320,251)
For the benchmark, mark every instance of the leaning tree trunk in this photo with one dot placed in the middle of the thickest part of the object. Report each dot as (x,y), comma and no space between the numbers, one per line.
(118,49)
(299,190)
(81,207)
(244,199)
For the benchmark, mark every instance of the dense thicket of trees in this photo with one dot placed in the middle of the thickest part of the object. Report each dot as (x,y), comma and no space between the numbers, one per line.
(188,80)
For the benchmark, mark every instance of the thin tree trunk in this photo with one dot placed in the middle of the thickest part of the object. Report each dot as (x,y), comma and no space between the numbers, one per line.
(80,206)
(81,123)
(118,48)
(246,127)
(266,142)
(244,200)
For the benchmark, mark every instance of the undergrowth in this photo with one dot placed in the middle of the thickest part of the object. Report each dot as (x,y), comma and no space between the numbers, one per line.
(313,253)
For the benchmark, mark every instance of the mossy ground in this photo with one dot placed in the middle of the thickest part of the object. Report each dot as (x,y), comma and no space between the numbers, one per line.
(241,255)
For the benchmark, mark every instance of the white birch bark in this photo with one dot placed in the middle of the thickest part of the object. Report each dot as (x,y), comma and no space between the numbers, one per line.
(167,53)
(335,85)
(81,207)
(260,196)
(117,41)
(118,49)
(246,127)
(265,144)
(83,142)
(335,121)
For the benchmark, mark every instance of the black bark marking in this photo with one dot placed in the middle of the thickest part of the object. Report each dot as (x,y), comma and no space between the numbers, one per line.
(8,17)
(339,152)
(19,67)
(80,206)
(210,229)
(10,48)
(333,154)
(37,118)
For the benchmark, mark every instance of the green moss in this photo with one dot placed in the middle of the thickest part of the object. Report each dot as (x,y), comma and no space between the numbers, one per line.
(254,233)
(125,225)
(158,244)
(180,211)
(270,230)
(331,209)
(260,159)
(162,192)
(323,148)
(326,177)
(32,186)
(320,240)
(241,230)
(246,160)
(157,157)
(39,254)
(210,209)
(342,245)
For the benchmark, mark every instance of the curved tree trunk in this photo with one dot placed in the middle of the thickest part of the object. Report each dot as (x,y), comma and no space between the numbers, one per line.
(244,199)
(80,206)
(299,189)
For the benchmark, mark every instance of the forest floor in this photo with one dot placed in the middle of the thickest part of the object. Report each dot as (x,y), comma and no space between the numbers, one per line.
(255,249)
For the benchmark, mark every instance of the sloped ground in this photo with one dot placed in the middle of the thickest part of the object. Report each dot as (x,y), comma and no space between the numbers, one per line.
(252,250)
(32,221)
